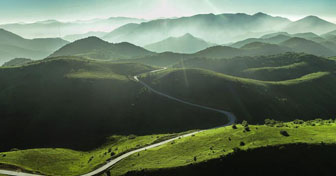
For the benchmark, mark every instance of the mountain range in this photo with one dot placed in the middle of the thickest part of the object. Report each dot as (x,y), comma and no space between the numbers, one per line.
(324,45)
(95,48)
(222,28)
(15,46)
(61,29)
(184,44)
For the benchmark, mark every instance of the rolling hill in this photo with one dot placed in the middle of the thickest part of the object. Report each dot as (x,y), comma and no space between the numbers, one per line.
(208,152)
(259,151)
(75,37)
(17,62)
(305,92)
(253,100)
(310,24)
(184,44)
(95,48)
(265,68)
(308,46)
(258,49)
(276,39)
(14,46)
(76,103)
(279,37)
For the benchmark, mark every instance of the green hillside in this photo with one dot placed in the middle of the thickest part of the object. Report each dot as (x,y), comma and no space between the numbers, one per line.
(161,59)
(267,68)
(58,161)
(307,46)
(259,49)
(306,97)
(77,103)
(95,48)
(219,52)
(17,62)
(225,144)
(284,159)
(184,44)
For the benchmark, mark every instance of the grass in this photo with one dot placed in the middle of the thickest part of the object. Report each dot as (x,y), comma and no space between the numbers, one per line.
(77,103)
(306,97)
(285,67)
(265,68)
(216,143)
(96,75)
(70,162)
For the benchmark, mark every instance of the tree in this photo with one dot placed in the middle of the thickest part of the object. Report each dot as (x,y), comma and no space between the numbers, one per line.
(234,126)
(284,133)
(112,153)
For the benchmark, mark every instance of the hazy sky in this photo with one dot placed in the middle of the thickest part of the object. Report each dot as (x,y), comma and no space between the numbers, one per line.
(68,10)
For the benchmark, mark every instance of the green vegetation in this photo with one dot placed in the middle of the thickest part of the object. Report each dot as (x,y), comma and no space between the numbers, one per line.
(184,44)
(95,48)
(280,159)
(306,97)
(17,62)
(221,142)
(59,161)
(77,103)
(266,68)
(308,46)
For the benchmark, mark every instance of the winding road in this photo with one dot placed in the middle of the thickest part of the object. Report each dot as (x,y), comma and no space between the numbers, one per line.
(231,117)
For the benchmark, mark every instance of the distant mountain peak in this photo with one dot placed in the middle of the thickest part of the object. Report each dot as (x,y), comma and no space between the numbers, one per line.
(312,18)
(260,14)
(91,39)
(187,35)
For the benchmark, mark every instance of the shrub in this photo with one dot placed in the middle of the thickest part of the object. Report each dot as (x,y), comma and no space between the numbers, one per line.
(242,143)
(297,121)
(14,150)
(131,136)
(284,133)
(236,150)
(112,154)
(90,159)
(234,126)
(244,123)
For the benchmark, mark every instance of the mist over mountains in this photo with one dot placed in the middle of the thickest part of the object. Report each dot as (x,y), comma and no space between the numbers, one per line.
(53,28)
(220,29)
(15,46)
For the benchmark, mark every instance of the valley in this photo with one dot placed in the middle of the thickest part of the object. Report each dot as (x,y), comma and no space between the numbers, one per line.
(167,88)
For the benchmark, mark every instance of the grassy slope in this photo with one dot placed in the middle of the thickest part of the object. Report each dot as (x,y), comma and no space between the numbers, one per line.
(319,159)
(70,162)
(215,143)
(267,68)
(77,103)
(306,97)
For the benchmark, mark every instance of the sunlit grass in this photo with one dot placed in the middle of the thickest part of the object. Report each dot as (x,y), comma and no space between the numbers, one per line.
(215,143)
(69,162)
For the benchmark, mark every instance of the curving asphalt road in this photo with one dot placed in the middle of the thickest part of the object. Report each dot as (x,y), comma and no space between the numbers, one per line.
(231,117)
